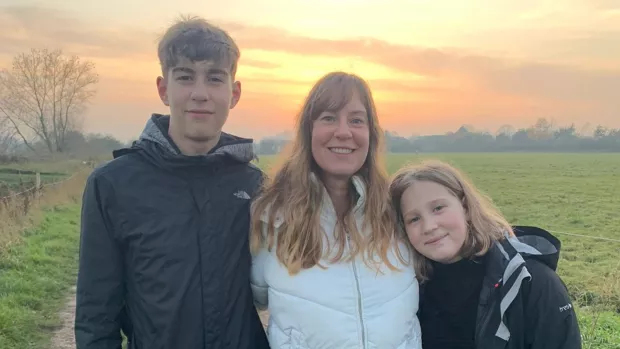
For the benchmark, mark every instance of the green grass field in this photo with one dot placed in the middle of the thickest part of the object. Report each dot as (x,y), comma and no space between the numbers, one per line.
(564,193)
(35,277)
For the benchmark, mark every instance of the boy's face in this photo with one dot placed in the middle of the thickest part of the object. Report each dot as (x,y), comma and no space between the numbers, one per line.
(200,95)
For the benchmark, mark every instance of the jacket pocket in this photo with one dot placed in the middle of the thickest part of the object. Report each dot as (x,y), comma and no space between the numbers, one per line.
(289,338)
(413,339)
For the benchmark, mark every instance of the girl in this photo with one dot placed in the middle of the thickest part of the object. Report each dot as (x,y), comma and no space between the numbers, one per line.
(484,283)
(329,264)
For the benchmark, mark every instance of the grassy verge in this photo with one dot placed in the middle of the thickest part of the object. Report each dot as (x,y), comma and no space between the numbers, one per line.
(35,276)
(600,329)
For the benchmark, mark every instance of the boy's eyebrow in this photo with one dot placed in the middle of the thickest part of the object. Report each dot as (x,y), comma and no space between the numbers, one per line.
(217,71)
(191,71)
(182,70)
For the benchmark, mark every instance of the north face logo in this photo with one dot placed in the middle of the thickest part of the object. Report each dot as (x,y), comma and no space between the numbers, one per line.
(242,195)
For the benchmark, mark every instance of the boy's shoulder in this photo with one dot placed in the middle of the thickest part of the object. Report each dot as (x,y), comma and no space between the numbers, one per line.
(114,168)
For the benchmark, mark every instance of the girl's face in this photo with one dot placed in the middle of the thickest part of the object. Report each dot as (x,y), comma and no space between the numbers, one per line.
(435,221)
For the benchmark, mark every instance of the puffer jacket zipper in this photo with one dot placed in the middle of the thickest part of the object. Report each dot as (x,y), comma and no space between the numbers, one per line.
(359,294)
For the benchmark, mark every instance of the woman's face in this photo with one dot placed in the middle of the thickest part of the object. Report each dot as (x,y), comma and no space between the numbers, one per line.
(340,139)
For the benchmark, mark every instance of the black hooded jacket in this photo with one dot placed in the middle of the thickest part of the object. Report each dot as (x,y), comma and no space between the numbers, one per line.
(164,250)
(523,304)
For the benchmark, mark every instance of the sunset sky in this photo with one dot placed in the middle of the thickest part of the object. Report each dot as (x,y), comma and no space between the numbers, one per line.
(433,65)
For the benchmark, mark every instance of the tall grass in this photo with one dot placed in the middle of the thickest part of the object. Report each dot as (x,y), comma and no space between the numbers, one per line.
(21,209)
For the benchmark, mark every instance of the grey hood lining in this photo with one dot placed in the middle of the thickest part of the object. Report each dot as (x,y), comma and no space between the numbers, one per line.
(241,151)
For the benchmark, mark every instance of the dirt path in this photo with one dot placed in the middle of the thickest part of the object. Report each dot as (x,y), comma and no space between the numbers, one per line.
(64,337)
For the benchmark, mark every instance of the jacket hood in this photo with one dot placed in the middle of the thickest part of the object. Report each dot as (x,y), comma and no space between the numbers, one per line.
(537,243)
(155,140)
(506,267)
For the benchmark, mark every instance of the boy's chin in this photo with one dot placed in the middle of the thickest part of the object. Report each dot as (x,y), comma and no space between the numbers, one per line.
(199,136)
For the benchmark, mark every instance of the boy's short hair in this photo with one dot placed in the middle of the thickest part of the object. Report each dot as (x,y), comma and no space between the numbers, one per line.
(196,39)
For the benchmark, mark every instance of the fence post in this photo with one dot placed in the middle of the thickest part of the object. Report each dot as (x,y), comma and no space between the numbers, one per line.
(37,185)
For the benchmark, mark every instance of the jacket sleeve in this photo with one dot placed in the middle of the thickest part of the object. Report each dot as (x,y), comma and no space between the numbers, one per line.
(551,321)
(257,279)
(99,296)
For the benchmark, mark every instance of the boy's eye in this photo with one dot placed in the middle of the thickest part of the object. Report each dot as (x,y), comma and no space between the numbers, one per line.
(216,79)
(184,77)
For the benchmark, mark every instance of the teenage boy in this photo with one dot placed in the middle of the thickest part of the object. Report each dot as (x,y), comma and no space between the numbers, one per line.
(164,252)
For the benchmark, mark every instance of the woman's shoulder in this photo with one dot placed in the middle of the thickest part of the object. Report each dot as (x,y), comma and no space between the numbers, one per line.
(278,216)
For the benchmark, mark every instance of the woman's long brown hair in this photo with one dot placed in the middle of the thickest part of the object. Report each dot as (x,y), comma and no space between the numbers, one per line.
(297,198)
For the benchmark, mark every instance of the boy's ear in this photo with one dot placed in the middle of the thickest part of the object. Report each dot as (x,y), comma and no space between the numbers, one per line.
(162,89)
(236,94)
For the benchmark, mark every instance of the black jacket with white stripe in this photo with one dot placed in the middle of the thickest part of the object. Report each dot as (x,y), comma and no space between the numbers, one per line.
(523,303)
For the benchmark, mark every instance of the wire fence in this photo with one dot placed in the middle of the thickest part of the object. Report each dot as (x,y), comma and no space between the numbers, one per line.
(586,236)
(39,187)
(16,205)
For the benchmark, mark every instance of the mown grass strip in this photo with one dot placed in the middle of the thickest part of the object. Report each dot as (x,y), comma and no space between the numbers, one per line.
(35,277)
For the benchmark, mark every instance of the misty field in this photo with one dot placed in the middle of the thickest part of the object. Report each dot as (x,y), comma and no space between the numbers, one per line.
(568,194)
(576,194)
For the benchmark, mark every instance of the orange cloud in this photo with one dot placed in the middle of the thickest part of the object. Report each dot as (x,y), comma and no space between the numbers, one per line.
(418,89)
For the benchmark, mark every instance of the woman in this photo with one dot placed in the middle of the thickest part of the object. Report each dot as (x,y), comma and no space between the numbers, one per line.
(329,263)
(484,283)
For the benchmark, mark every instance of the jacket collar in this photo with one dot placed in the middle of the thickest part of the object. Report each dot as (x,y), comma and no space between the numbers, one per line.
(327,206)
(506,267)
(158,148)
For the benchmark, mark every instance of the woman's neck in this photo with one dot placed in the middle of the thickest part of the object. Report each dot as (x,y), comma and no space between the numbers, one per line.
(338,190)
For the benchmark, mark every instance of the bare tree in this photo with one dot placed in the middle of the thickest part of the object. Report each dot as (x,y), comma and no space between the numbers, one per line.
(44,94)
(7,137)
(542,129)
(506,130)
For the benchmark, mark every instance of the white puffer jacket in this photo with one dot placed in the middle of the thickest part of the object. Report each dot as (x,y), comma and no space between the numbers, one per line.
(347,305)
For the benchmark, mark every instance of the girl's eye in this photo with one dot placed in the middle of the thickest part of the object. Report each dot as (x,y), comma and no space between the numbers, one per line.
(438,208)
(414,219)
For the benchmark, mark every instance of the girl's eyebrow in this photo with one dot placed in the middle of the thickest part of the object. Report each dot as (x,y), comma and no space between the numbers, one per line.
(440,199)
(430,203)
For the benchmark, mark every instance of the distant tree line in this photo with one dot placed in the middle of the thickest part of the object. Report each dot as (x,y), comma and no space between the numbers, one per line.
(77,145)
(543,136)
